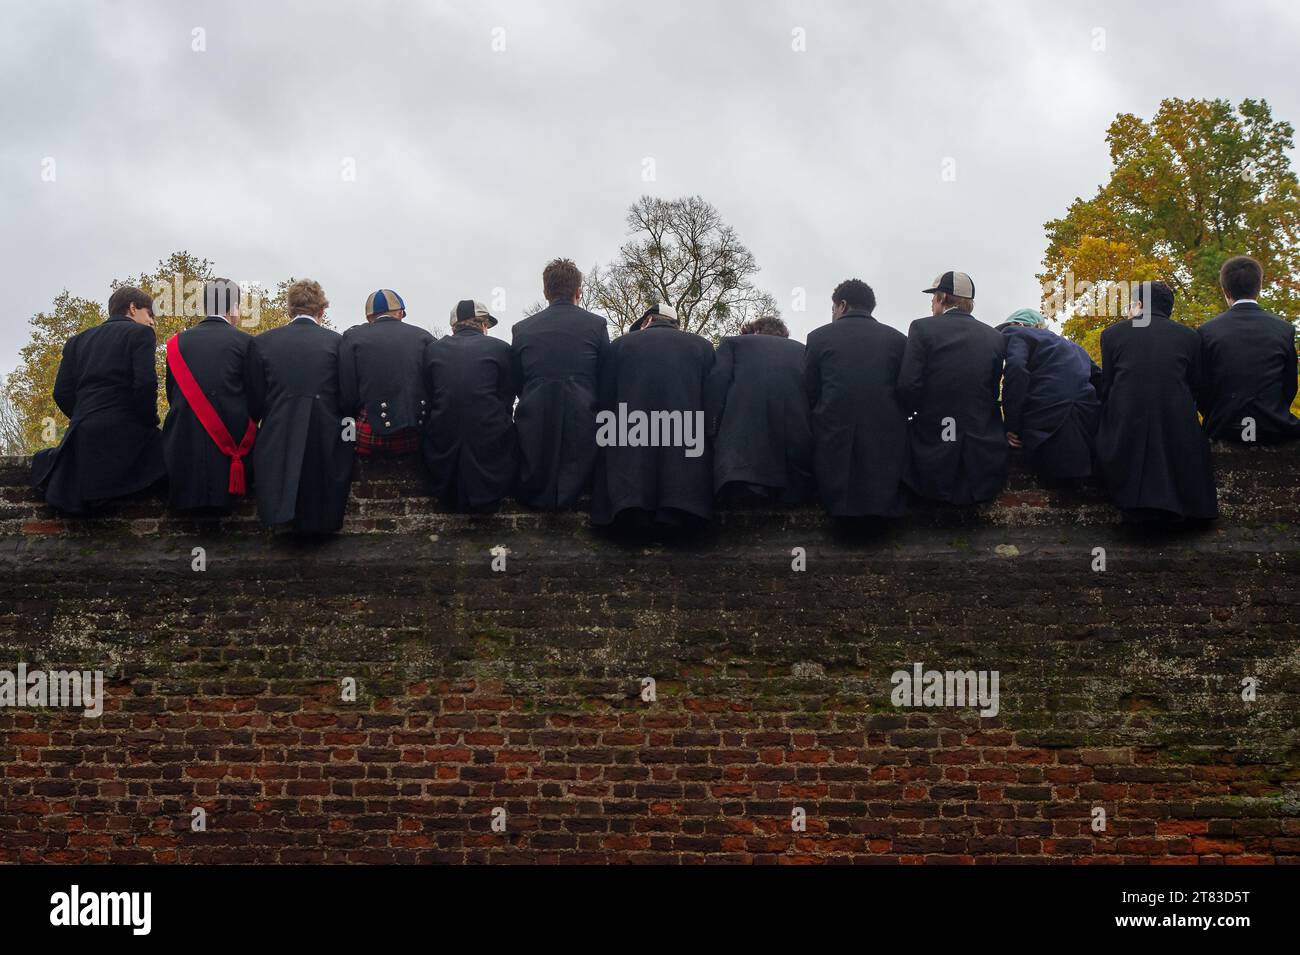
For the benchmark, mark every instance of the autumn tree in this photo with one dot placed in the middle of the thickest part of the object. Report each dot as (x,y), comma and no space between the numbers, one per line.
(1198,183)
(30,388)
(176,286)
(681,253)
(12,441)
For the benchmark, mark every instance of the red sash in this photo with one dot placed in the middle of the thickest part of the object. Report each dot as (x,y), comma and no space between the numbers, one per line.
(208,417)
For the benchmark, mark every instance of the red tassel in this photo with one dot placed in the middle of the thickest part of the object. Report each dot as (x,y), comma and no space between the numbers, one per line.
(236,475)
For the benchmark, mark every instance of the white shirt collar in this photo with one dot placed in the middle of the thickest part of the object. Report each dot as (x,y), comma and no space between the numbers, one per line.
(1244,301)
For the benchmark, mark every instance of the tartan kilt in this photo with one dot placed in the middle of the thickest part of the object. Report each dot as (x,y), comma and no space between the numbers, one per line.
(369,444)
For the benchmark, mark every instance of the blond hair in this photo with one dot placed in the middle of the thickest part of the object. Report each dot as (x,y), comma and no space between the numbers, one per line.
(306,297)
(949,300)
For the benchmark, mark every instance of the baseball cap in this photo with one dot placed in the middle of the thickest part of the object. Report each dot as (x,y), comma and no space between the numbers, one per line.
(659,309)
(1027,317)
(954,283)
(467,309)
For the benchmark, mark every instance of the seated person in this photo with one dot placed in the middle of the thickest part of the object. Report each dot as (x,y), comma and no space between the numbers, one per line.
(1154,458)
(1049,398)
(107,385)
(381,377)
(949,382)
(757,415)
(1248,363)
(469,436)
(859,431)
(654,466)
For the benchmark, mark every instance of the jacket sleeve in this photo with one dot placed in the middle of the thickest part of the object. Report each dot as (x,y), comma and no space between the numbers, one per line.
(604,354)
(1015,381)
(144,373)
(1195,378)
(255,382)
(1207,373)
(349,386)
(505,379)
(65,389)
(812,374)
(1107,368)
(169,383)
(911,374)
(607,384)
(717,385)
(516,368)
(1289,380)
(426,376)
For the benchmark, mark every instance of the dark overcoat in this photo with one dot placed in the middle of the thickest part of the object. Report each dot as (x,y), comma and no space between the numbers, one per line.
(758,416)
(198,473)
(1049,400)
(949,382)
(556,357)
(381,369)
(107,385)
(302,464)
(851,369)
(469,437)
(1248,360)
(1152,451)
(666,472)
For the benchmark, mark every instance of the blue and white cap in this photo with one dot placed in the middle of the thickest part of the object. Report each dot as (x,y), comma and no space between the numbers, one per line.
(385,300)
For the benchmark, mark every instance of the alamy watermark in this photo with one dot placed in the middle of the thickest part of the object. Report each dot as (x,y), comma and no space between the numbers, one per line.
(651,429)
(41,688)
(77,908)
(922,687)
(1068,296)
(182,298)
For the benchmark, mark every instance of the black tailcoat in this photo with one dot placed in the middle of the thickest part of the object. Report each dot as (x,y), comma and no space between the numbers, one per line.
(851,371)
(1049,399)
(952,369)
(302,464)
(1152,451)
(758,416)
(1248,360)
(107,385)
(198,474)
(469,437)
(381,368)
(556,357)
(659,368)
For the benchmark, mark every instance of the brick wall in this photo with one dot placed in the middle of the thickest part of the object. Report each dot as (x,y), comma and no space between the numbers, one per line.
(521,690)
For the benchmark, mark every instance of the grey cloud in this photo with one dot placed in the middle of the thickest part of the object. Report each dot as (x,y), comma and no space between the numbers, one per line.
(475,167)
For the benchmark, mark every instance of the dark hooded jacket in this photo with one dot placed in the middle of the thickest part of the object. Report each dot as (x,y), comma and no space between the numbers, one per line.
(303,466)
(663,469)
(758,416)
(1049,399)
(381,369)
(1151,449)
(851,369)
(107,385)
(556,356)
(1248,360)
(949,382)
(198,473)
(469,438)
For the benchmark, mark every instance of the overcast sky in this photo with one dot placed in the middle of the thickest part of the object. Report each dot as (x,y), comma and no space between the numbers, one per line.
(475,166)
